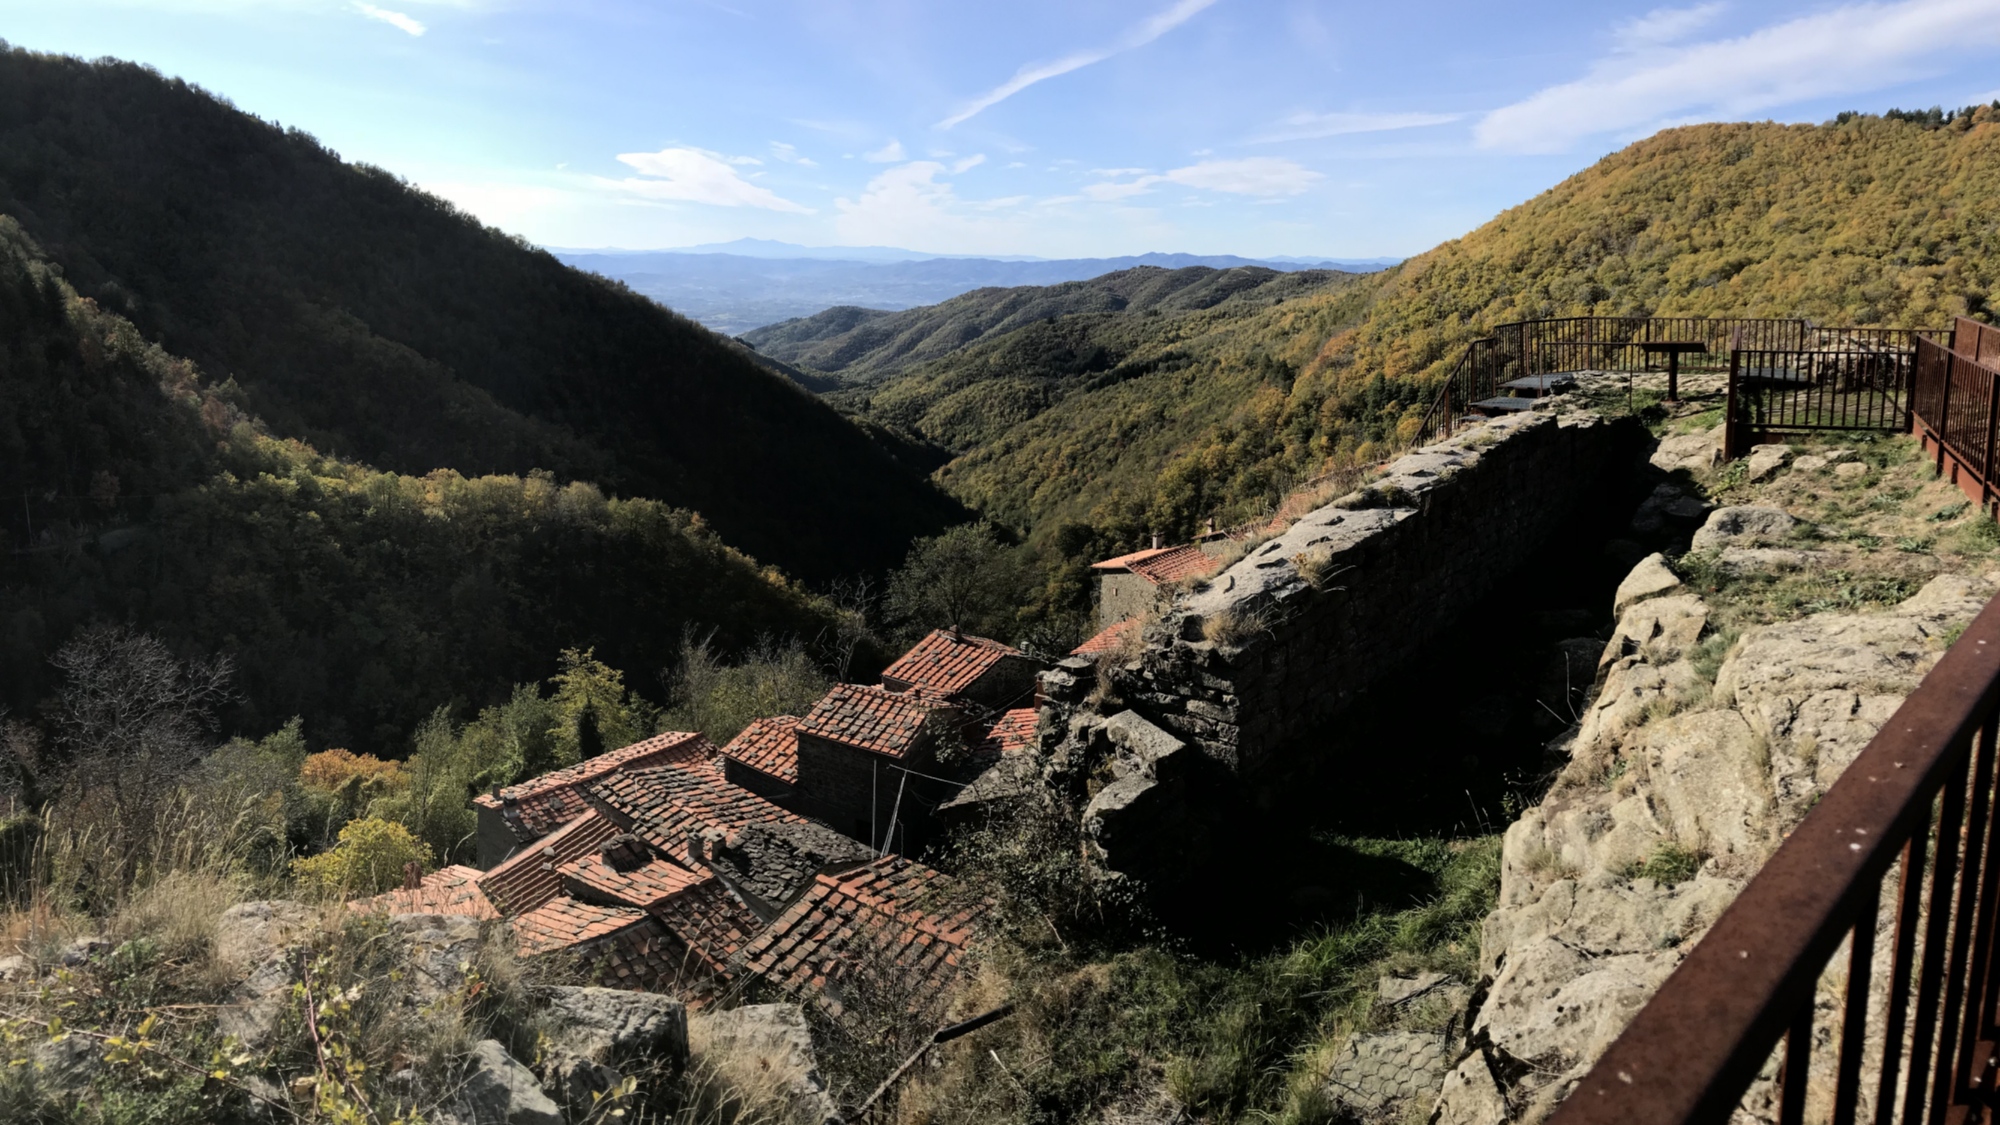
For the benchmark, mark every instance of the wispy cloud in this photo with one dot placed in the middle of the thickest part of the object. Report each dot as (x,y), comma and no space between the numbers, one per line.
(887,154)
(968,163)
(1310,126)
(397,20)
(1265,176)
(1851,49)
(790,155)
(1137,36)
(696,175)
(1664,25)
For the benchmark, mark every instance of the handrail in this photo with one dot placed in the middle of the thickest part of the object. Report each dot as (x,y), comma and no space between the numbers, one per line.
(1693,1051)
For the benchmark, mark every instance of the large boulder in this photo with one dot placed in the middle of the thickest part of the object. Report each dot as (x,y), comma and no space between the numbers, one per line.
(498,1090)
(766,1052)
(599,1036)
(1744,525)
(1649,579)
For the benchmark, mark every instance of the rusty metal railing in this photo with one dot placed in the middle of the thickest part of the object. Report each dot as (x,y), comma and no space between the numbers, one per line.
(1472,378)
(1955,407)
(1911,820)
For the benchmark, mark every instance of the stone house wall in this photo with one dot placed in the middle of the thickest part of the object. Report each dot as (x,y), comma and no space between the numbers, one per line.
(1122,594)
(1289,635)
(854,790)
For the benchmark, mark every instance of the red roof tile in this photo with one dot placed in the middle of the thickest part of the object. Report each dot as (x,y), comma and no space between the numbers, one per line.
(664,804)
(528,878)
(1160,565)
(871,718)
(946,663)
(645,887)
(1174,565)
(1110,640)
(769,746)
(1014,731)
(539,806)
(1124,562)
(888,915)
(564,922)
(448,890)
(712,922)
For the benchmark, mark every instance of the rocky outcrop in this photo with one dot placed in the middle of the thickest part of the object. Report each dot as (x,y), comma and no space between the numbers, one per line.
(766,1052)
(499,1090)
(598,1036)
(1676,791)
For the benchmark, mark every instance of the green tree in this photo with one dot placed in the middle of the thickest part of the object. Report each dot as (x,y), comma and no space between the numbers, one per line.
(592,710)
(963,579)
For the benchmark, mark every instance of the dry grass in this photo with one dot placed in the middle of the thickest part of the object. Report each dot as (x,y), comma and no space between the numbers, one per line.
(1234,627)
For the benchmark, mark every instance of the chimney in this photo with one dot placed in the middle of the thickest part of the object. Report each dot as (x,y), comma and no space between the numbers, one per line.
(625,852)
(1156,541)
(413,875)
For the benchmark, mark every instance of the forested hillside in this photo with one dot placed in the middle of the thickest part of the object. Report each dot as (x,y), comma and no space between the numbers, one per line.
(381,324)
(1124,423)
(138,492)
(861,345)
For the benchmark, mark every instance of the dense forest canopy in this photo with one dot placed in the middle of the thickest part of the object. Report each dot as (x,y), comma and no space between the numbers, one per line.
(380,323)
(355,598)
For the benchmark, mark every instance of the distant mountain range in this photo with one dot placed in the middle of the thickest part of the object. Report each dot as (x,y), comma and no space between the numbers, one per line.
(734,287)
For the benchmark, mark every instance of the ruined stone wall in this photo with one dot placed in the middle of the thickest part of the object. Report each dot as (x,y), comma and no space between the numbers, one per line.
(1288,635)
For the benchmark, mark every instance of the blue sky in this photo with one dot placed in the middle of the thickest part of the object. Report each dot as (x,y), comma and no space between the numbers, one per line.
(1060,128)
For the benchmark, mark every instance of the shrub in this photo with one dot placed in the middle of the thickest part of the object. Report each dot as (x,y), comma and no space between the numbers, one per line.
(369,859)
(330,771)
(1669,864)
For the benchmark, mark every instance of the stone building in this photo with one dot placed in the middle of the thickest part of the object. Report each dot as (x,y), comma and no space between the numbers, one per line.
(513,816)
(764,758)
(861,749)
(1128,586)
(966,669)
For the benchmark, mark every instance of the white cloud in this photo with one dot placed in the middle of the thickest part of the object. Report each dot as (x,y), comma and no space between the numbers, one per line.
(1137,36)
(969,163)
(697,176)
(1309,126)
(887,154)
(397,20)
(1265,176)
(790,155)
(910,205)
(1664,25)
(1851,49)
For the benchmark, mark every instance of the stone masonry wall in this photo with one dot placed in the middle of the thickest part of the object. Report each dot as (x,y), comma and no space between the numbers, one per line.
(1288,635)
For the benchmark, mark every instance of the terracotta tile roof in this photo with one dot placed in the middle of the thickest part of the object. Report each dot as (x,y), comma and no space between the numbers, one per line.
(1109,640)
(594,880)
(871,718)
(564,922)
(946,663)
(642,958)
(528,878)
(1163,564)
(769,746)
(448,890)
(1124,562)
(1174,565)
(1014,731)
(712,922)
(884,916)
(539,806)
(665,803)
